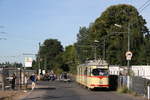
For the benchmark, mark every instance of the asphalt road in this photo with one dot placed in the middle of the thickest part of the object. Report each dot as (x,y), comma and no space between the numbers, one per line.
(47,90)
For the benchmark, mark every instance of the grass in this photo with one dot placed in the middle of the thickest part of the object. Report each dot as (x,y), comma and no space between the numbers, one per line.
(122,90)
(126,90)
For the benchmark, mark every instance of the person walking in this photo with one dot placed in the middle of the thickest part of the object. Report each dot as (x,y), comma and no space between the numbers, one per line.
(13,81)
(33,79)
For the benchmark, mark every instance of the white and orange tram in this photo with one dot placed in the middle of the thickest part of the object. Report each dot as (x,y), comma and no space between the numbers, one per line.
(93,74)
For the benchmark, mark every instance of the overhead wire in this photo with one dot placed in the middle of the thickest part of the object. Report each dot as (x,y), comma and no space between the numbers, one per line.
(144,6)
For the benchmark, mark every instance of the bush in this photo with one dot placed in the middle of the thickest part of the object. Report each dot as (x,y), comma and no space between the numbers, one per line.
(123,90)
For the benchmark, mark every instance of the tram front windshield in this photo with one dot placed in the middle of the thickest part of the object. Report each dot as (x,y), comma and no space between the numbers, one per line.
(100,72)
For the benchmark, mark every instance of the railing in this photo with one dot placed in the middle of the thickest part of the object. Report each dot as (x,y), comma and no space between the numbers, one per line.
(138,85)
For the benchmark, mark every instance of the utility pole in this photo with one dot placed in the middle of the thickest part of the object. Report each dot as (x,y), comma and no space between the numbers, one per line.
(95,53)
(39,64)
(128,53)
(45,65)
(104,51)
(95,46)
(3,79)
(128,61)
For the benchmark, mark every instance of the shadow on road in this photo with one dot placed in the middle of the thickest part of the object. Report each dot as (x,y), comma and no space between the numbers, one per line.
(43,98)
(61,97)
(102,90)
(46,88)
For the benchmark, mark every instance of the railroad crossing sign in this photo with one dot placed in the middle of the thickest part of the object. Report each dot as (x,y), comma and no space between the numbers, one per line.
(128,55)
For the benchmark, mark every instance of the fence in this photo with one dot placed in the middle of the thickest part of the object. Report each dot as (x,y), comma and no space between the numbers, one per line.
(134,83)
(6,77)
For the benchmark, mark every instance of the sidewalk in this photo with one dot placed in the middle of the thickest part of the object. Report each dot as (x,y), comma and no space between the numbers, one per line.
(14,94)
(11,95)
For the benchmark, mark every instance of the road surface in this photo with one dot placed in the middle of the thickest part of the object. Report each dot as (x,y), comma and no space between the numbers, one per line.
(48,90)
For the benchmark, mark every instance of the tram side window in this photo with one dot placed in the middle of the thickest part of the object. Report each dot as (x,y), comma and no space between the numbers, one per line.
(89,72)
(85,71)
(80,72)
(97,72)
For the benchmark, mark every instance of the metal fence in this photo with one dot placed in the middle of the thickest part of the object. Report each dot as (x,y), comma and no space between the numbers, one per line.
(139,85)
(136,84)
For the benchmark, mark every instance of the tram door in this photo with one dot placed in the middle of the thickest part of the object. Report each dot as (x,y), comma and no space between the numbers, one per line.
(85,76)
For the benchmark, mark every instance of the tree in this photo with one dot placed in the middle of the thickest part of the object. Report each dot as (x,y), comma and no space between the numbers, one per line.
(70,59)
(113,40)
(49,52)
(85,44)
(117,46)
(35,64)
(146,49)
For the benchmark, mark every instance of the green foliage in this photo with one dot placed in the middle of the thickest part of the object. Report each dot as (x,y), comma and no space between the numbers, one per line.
(14,65)
(57,71)
(85,44)
(147,49)
(111,45)
(35,65)
(126,90)
(116,39)
(123,90)
(50,54)
(69,59)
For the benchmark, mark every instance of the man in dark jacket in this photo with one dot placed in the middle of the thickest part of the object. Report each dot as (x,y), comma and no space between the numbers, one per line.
(33,79)
(13,81)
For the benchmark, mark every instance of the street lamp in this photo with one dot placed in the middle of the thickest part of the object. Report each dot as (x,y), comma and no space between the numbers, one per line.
(95,55)
(128,53)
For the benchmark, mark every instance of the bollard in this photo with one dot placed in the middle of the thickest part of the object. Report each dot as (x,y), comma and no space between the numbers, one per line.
(148,92)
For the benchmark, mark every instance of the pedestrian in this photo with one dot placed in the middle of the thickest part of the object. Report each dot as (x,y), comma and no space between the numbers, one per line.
(65,76)
(33,79)
(13,81)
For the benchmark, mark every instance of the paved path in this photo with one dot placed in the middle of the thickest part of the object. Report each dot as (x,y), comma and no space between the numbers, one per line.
(71,91)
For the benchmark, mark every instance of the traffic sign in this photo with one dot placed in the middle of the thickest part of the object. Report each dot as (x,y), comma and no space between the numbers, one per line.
(128,55)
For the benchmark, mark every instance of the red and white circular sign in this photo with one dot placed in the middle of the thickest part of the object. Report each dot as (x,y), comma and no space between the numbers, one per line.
(128,55)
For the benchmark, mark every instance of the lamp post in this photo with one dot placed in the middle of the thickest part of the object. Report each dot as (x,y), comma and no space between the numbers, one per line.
(95,54)
(128,53)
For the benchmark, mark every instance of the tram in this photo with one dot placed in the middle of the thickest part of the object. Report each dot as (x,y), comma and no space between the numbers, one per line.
(93,74)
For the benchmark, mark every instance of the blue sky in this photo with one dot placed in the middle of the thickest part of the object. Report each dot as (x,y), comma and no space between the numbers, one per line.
(28,22)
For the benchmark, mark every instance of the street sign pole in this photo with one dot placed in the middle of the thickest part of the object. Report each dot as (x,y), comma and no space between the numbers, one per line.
(128,61)
(128,58)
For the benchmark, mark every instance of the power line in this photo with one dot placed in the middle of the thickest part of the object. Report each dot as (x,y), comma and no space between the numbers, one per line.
(3,39)
(3,33)
(145,5)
